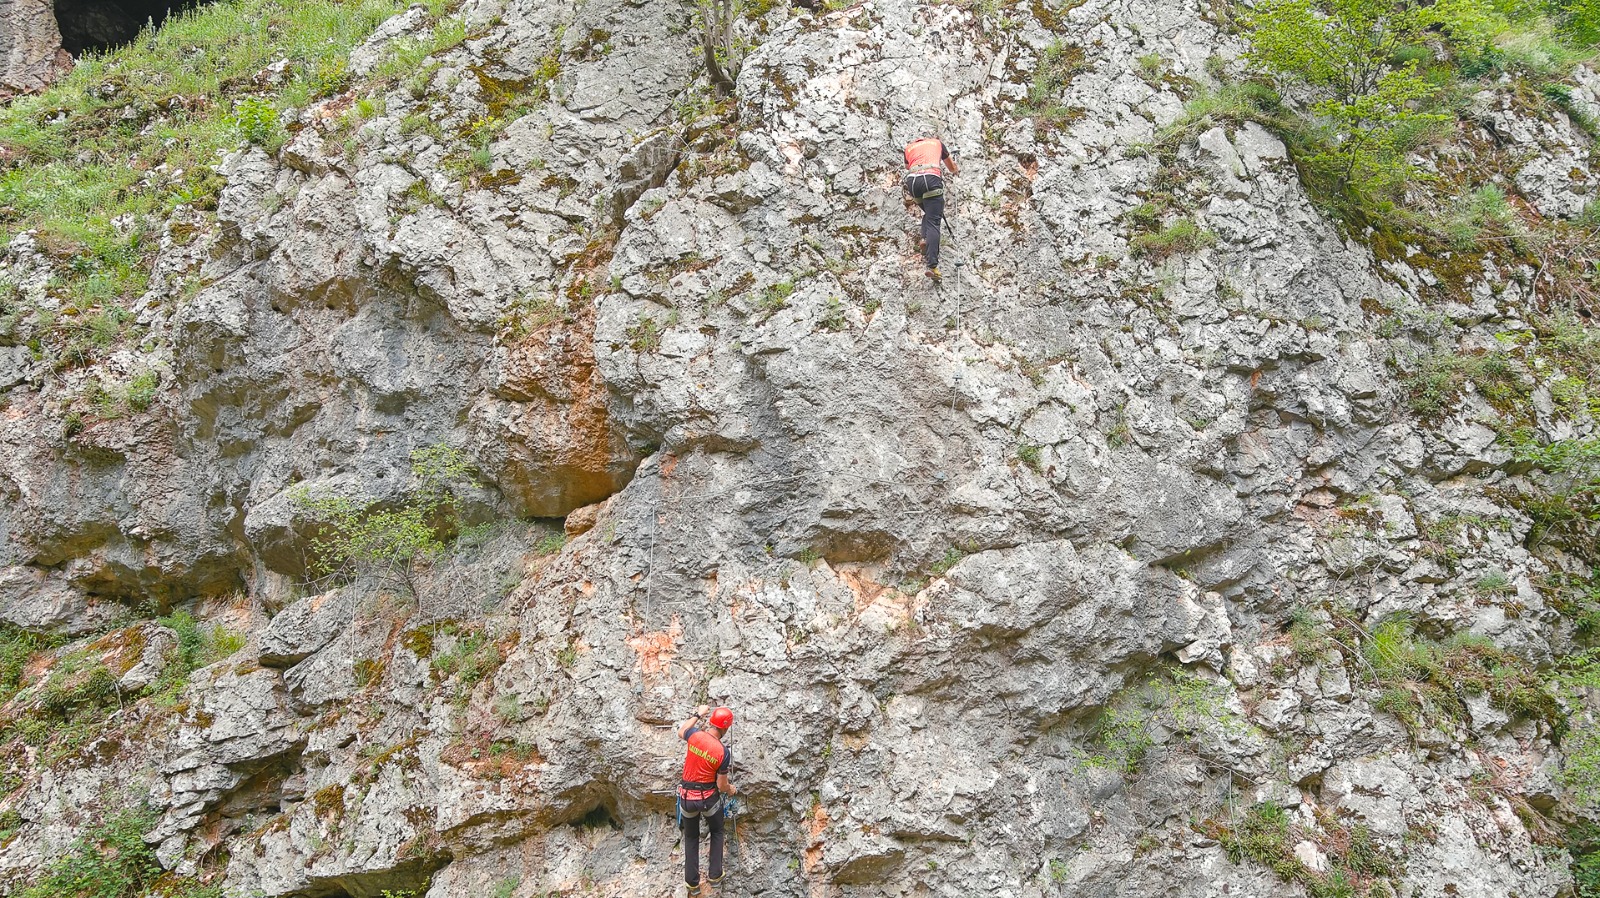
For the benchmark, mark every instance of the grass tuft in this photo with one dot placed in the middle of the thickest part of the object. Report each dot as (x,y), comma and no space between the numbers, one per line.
(130,135)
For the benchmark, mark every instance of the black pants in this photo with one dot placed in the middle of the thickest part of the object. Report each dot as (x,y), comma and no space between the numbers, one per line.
(932,212)
(691,844)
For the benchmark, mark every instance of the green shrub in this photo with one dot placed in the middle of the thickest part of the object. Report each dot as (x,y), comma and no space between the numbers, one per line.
(111,860)
(1374,93)
(257,121)
(1583,843)
(141,391)
(1580,20)
(348,538)
(1182,236)
(1425,683)
(1580,771)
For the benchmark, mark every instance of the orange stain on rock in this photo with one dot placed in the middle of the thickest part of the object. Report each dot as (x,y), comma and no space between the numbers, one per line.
(866,589)
(815,827)
(656,650)
(547,428)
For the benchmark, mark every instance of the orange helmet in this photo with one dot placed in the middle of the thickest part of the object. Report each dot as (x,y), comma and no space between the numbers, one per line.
(722,718)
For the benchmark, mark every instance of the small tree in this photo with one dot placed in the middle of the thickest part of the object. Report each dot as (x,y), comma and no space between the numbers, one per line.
(1350,51)
(721,41)
(348,538)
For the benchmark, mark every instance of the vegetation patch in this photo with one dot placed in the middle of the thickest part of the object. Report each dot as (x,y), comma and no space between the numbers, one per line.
(1181,236)
(17,649)
(1565,503)
(1388,82)
(112,860)
(1426,683)
(471,659)
(1175,702)
(93,164)
(1438,378)
(67,709)
(198,646)
(1265,834)
(1060,64)
(348,538)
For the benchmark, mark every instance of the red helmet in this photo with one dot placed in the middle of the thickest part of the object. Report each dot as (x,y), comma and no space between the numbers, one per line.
(722,718)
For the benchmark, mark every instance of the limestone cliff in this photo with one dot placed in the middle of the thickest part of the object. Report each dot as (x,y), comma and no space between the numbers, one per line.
(1128,560)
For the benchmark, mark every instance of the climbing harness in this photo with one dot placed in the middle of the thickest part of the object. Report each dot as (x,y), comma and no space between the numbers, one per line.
(701,808)
(920,180)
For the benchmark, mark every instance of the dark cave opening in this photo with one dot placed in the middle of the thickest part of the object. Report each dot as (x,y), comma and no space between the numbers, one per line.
(598,816)
(99,25)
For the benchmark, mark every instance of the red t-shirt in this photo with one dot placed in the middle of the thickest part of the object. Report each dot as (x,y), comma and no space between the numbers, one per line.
(706,758)
(924,156)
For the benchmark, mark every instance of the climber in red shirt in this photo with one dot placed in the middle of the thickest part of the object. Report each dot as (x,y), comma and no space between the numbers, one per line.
(926,159)
(705,781)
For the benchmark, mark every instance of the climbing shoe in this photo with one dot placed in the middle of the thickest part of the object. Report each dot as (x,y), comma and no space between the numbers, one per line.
(935,274)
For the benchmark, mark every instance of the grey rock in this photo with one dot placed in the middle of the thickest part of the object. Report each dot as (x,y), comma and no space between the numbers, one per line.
(30,47)
(299,630)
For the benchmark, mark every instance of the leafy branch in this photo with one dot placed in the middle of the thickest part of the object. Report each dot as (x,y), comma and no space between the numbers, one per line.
(349,538)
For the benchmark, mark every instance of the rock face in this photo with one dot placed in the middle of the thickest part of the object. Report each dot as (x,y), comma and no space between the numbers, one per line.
(920,537)
(30,47)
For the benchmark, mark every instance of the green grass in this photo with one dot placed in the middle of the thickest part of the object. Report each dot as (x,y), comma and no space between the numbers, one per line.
(951,557)
(1425,682)
(1029,454)
(198,646)
(1061,63)
(473,658)
(138,131)
(17,648)
(1181,236)
(1173,701)
(1480,214)
(67,709)
(775,296)
(1265,834)
(644,335)
(1564,504)
(1439,378)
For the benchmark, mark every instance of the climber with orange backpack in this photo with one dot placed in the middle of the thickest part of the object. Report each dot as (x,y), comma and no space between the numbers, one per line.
(700,794)
(926,159)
